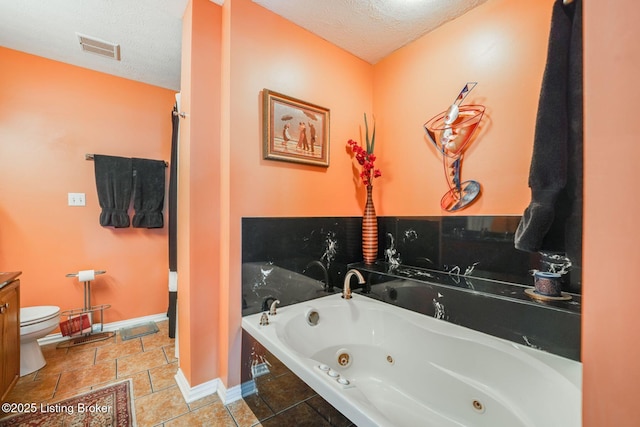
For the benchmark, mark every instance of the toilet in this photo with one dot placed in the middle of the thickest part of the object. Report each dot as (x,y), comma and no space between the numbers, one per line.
(35,322)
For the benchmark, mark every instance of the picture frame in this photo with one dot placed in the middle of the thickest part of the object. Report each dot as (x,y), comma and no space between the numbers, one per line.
(294,130)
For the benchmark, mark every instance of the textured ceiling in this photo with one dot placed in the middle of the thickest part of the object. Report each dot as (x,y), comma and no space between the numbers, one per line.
(149,31)
(369,29)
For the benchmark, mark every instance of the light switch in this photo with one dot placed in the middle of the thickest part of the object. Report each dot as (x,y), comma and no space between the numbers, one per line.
(77,199)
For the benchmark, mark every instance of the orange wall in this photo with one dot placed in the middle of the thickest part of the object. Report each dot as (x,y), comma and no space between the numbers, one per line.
(199,240)
(270,52)
(501,45)
(611,349)
(51,114)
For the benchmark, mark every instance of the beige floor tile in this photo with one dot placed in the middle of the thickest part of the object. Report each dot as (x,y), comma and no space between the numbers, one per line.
(34,388)
(163,328)
(51,350)
(140,361)
(163,376)
(119,349)
(65,394)
(87,376)
(28,377)
(213,415)
(256,405)
(64,361)
(141,383)
(170,353)
(159,407)
(242,413)
(207,400)
(159,339)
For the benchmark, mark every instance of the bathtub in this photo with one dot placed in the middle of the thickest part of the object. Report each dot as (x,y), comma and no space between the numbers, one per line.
(381,365)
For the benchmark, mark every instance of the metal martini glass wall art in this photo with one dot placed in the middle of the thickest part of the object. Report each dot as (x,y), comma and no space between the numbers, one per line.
(450,132)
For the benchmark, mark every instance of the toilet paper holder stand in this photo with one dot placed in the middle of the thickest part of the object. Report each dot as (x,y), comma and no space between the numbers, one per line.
(87,309)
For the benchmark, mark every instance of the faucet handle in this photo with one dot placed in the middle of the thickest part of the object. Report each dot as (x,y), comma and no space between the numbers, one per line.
(264,319)
(272,310)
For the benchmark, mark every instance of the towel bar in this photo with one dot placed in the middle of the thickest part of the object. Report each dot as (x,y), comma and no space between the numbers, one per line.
(90,157)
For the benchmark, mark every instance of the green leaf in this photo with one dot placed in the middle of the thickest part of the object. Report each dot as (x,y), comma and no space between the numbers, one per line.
(370,143)
(366,128)
(373,136)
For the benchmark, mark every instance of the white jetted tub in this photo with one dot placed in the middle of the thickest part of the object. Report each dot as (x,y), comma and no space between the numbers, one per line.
(381,365)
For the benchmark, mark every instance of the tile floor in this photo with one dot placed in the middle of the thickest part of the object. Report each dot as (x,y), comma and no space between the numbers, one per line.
(283,399)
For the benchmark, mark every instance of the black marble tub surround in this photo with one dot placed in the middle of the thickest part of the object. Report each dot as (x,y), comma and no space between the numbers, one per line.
(483,244)
(460,269)
(296,244)
(496,308)
(382,272)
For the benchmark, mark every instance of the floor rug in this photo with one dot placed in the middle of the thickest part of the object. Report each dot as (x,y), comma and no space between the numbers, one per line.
(136,331)
(110,406)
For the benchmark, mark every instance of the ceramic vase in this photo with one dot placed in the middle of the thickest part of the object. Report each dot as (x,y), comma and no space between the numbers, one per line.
(369,230)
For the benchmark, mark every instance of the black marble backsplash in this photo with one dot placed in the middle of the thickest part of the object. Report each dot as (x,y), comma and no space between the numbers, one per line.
(461,269)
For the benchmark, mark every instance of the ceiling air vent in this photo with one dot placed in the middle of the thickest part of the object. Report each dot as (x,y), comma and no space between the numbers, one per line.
(99,47)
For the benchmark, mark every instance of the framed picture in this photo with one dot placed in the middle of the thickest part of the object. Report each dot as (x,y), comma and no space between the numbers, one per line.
(294,130)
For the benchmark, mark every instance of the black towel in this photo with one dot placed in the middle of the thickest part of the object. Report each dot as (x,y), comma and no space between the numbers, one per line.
(148,193)
(553,219)
(113,182)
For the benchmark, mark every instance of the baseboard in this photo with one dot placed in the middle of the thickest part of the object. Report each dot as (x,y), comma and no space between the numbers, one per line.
(191,394)
(229,395)
(108,327)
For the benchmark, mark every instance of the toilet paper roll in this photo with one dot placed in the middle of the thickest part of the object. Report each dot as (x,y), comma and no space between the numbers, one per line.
(86,275)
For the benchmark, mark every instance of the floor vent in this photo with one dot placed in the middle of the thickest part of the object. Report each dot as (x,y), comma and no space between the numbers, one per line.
(136,331)
(99,47)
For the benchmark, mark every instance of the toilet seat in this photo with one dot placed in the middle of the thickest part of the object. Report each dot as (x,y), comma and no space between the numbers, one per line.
(33,315)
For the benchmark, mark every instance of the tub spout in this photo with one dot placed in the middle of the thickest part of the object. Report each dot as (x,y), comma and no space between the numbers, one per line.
(346,289)
(267,303)
(327,286)
(272,310)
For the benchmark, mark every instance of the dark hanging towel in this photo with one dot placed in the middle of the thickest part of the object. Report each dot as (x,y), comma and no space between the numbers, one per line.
(173,224)
(553,220)
(148,193)
(173,193)
(113,182)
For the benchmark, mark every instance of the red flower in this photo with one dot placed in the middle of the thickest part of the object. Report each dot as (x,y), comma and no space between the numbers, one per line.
(365,157)
(366,160)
